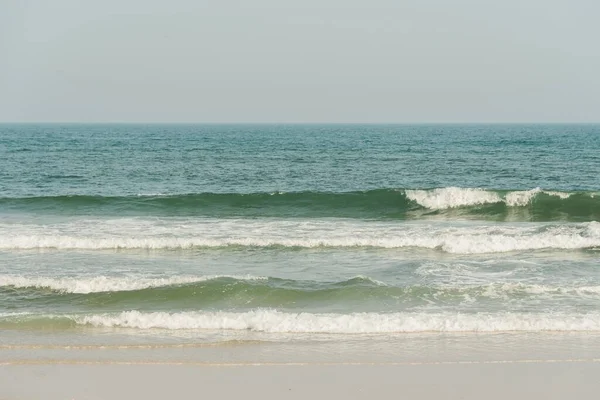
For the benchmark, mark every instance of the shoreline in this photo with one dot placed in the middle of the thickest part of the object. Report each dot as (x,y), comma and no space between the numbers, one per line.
(454,366)
(294,364)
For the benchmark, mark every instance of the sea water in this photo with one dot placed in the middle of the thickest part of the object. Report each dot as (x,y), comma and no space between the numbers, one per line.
(207,233)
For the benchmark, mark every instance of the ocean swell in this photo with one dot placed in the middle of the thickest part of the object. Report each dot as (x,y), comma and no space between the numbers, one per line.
(450,202)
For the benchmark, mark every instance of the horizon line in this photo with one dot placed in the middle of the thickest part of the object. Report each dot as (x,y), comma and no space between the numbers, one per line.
(299,123)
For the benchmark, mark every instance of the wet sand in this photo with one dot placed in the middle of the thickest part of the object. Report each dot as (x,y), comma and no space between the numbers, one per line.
(461,366)
(448,380)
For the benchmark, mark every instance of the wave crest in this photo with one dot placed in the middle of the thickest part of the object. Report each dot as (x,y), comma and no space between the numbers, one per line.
(542,205)
(172,234)
(453,197)
(280,322)
(98,284)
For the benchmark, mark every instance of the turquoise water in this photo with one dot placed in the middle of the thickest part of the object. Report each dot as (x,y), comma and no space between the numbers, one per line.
(128,160)
(299,229)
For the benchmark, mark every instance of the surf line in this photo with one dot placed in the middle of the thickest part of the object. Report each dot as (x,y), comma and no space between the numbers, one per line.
(292,364)
(230,343)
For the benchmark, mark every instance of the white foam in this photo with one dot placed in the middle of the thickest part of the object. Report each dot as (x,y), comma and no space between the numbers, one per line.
(97,284)
(452,197)
(503,290)
(369,279)
(13,314)
(462,238)
(472,279)
(280,322)
(521,198)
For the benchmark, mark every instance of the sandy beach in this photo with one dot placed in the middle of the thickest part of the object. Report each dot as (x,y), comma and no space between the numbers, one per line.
(474,380)
(427,366)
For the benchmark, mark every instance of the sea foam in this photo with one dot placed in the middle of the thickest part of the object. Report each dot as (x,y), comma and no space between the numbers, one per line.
(452,197)
(461,238)
(96,284)
(282,322)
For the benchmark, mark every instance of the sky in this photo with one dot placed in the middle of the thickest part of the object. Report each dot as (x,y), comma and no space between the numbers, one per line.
(309,61)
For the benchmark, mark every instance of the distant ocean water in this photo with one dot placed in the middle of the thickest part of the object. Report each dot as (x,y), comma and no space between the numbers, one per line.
(299,229)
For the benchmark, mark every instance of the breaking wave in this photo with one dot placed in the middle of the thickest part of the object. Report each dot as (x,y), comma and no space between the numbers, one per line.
(460,238)
(527,205)
(98,284)
(272,321)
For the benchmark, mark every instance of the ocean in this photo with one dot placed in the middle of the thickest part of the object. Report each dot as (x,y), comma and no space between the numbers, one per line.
(198,234)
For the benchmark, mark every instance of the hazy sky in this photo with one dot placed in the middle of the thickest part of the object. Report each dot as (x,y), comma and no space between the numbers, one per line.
(300,61)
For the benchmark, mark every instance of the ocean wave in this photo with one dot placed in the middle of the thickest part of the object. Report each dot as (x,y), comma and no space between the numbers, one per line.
(98,284)
(281,322)
(246,292)
(527,205)
(165,234)
(192,293)
(454,197)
